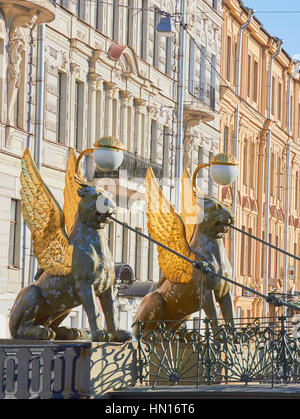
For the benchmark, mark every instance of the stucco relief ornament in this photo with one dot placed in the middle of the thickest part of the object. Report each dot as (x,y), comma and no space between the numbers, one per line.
(71,247)
(15,50)
(188,148)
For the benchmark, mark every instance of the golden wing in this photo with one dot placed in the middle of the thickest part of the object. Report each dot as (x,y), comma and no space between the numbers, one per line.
(166,226)
(189,208)
(45,219)
(71,198)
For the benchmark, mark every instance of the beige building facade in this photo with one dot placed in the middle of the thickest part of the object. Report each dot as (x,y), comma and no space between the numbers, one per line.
(259,123)
(74,71)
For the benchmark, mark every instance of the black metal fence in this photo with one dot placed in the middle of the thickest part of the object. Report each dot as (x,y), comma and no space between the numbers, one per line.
(256,350)
(135,166)
(204,92)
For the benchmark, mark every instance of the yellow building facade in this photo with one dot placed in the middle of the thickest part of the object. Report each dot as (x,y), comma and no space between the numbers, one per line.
(259,124)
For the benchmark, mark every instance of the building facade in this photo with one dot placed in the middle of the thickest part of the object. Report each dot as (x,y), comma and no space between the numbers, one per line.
(259,124)
(73,71)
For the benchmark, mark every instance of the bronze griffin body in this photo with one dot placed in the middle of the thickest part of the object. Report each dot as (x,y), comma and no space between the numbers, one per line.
(198,235)
(75,268)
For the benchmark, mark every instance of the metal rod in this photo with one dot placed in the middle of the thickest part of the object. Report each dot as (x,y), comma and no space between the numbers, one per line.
(203,267)
(266,243)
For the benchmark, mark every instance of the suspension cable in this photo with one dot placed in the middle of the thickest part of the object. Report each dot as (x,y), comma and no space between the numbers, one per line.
(204,267)
(266,243)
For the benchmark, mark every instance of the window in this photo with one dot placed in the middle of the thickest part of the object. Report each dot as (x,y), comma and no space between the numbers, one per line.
(115,18)
(80,9)
(249,253)
(210,180)
(168,62)
(61,107)
(143,16)
(130,13)
(202,72)
(191,66)
(242,265)
(153,140)
(78,116)
(245,165)
(99,108)
(279,101)
(98,15)
(228,66)
(212,81)
(166,147)
(215,4)
(273,96)
(225,146)
(125,244)
(150,272)
(138,255)
(157,17)
(14,233)
(255,81)
(272,175)
(249,77)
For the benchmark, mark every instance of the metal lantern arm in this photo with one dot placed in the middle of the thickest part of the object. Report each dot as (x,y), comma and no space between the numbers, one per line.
(196,172)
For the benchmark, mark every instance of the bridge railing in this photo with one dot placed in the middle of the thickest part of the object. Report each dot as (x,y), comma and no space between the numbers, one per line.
(260,350)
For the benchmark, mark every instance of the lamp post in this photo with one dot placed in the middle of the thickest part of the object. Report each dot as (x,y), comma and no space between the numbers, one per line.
(223,169)
(166,28)
(108,153)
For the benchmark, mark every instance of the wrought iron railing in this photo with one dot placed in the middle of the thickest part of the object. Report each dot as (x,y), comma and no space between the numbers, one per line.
(203,92)
(253,351)
(135,166)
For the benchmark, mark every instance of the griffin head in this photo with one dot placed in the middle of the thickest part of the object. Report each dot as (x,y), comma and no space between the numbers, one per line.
(214,217)
(95,206)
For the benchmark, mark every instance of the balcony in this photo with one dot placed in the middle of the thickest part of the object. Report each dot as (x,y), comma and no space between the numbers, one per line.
(136,167)
(203,92)
(200,102)
(22,12)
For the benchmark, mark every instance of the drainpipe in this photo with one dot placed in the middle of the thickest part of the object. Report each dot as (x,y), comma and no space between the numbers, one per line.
(39,120)
(280,42)
(287,207)
(180,96)
(236,145)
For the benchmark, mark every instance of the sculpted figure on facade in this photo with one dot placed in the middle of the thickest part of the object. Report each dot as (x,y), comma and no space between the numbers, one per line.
(76,265)
(198,235)
(16,48)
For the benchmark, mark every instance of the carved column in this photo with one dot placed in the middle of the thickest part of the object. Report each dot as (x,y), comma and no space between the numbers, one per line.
(108,108)
(16,48)
(92,109)
(74,73)
(138,133)
(124,119)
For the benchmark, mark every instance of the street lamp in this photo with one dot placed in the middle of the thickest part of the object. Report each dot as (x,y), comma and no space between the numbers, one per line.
(223,169)
(165,26)
(108,153)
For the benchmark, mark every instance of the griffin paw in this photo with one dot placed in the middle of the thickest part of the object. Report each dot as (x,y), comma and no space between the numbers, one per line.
(120,336)
(100,336)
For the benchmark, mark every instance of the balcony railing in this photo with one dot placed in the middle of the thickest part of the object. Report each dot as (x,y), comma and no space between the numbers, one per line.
(204,92)
(136,167)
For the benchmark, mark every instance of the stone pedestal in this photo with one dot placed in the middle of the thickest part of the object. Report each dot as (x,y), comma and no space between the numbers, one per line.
(64,369)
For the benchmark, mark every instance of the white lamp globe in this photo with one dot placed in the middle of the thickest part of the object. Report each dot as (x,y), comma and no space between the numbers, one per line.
(224,169)
(108,153)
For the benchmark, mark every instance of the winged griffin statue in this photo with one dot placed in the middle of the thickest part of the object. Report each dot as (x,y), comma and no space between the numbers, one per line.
(198,235)
(76,265)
